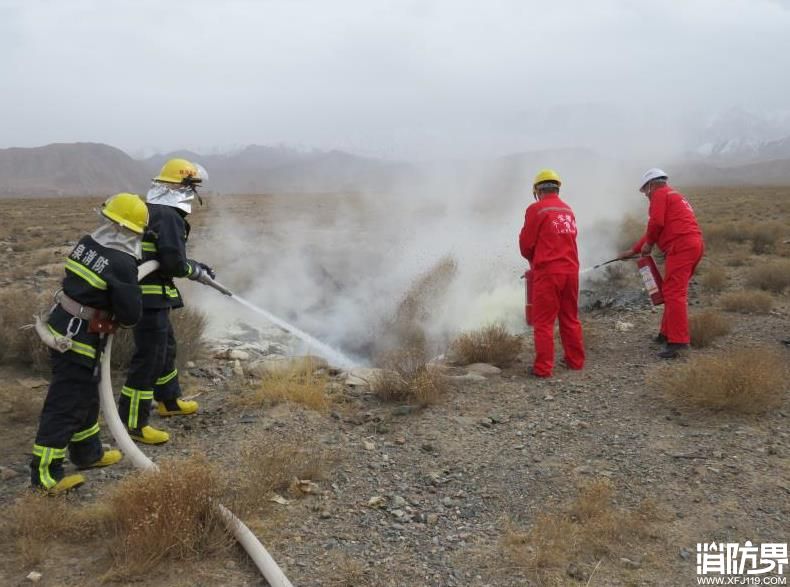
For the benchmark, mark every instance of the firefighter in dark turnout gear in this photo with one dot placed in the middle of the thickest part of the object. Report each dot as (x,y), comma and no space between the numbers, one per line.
(152,373)
(99,292)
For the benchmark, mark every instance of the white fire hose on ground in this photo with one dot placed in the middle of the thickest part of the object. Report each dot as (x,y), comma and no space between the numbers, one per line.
(259,555)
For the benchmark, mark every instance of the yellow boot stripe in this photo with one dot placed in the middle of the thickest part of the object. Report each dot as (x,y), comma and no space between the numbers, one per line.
(133,409)
(43,469)
(57,453)
(80,436)
(167,378)
(135,396)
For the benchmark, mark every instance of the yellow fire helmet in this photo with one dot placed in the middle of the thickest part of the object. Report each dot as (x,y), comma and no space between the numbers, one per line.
(128,210)
(179,171)
(546,175)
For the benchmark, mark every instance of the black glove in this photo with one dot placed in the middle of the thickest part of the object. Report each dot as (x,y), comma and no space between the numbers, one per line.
(200,271)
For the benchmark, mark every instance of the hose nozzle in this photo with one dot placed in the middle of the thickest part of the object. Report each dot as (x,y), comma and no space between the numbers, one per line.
(206,279)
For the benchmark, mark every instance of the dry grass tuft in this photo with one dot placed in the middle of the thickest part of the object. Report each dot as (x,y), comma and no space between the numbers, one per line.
(738,259)
(746,381)
(347,571)
(36,520)
(270,466)
(167,514)
(707,326)
(747,302)
(589,529)
(773,276)
(302,383)
(765,237)
(406,377)
(17,308)
(492,344)
(714,279)
(21,406)
(717,235)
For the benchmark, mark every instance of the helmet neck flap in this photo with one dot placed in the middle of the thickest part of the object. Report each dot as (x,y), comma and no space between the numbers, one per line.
(114,236)
(170,194)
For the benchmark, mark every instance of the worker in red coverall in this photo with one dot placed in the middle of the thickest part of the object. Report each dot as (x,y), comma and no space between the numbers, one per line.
(672,226)
(548,242)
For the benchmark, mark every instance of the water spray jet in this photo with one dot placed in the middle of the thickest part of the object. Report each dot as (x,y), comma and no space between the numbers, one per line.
(334,356)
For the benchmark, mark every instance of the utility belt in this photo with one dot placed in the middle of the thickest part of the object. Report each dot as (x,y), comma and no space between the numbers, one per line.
(99,322)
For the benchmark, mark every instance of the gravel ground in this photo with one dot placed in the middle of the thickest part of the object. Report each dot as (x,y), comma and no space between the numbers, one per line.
(504,447)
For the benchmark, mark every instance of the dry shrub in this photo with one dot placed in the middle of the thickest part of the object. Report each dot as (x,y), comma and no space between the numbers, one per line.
(346,571)
(771,276)
(406,377)
(302,383)
(18,345)
(189,326)
(170,513)
(270,465)
(22,406)
(715,235)
(765,237)
(707,326)
(714,279)
(491,344)
(747,302)
(744,381)
(36,520)
(738,259)
(584,532)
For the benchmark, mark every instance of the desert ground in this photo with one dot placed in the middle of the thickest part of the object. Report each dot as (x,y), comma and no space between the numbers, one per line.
(433,473)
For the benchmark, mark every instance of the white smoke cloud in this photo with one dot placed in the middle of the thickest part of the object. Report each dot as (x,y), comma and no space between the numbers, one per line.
(339,266)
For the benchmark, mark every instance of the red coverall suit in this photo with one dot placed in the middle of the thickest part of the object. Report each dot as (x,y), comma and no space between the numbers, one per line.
(673,226)
(548,242)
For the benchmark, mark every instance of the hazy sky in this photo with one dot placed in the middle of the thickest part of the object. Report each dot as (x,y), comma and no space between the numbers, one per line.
(394,78)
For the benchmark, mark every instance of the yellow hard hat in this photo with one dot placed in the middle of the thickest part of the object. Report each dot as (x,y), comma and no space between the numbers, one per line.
(128,210)
(545,175)
(179,171)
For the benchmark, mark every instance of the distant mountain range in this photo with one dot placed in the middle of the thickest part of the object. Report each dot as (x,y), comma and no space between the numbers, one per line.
(93,169)
(98,169)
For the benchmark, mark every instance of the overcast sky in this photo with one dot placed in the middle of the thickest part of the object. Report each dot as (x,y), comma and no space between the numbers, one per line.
(396,78)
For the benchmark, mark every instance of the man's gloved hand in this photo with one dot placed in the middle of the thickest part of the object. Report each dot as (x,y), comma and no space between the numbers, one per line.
(201,272)
(647,249)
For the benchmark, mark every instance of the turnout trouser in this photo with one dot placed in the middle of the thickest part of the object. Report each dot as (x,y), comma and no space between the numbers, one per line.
(69,419)
(152,372)
(680,265)
(556,295)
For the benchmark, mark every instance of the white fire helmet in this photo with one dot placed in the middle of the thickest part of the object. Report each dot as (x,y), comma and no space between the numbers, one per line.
(650,175)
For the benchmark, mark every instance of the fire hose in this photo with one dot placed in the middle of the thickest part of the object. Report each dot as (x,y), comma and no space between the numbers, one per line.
(259,555)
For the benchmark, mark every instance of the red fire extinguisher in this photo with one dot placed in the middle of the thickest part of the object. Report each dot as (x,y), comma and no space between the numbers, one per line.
(651,278)
(528,280)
